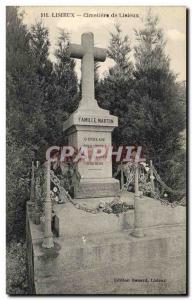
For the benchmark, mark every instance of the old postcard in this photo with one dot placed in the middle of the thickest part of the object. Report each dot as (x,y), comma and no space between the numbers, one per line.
(96,150)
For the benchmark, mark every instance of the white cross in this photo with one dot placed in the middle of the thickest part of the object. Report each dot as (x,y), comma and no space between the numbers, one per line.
(88,54)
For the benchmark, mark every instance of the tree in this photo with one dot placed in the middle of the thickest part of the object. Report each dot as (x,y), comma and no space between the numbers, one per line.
(24,94)
(58,83)
(66,98)
(113,91)
(119,50)
(25,120)
(31,91)
(39,44)
(155,113)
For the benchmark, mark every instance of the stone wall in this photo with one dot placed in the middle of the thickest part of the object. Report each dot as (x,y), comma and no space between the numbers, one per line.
(97,263)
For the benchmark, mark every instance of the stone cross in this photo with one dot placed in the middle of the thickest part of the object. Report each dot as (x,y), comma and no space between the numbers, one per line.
(88,54)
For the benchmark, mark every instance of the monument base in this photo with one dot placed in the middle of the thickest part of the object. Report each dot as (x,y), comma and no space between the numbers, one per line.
(91,130)
(97,253)
(88,188)
(113,263)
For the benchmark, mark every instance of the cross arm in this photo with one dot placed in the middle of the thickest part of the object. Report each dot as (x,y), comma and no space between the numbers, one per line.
(77,51)
(100,54)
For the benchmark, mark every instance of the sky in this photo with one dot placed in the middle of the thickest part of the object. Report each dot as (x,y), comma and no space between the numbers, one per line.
(172,20)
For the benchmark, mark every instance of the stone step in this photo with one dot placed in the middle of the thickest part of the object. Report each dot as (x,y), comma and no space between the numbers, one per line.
(153,276)
(107,249)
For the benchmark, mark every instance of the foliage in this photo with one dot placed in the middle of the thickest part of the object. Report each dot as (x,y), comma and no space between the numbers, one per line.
(117,208)
(17,268)
(119,50)
(66,78)
(156,114)
(39,45)
(113,91)
(17,187)
(39,97)
(24,118)
(147,99)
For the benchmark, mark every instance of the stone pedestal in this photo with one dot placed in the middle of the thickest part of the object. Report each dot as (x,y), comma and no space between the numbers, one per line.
(92,128)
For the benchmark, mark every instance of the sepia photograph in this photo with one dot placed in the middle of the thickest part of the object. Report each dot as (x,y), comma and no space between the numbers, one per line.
(96,150)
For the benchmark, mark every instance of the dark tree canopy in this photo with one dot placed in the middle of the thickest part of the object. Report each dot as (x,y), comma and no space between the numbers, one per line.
(40,95)
(113,91)
(147,99)
(157,114)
